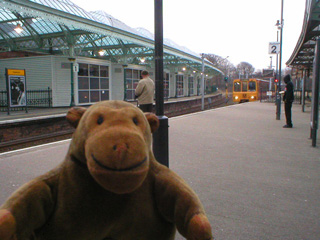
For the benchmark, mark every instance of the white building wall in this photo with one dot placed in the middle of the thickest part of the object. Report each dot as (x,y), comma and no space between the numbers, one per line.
(38,71)
(172,85)
(186,84)
(61,81)
(55,72)
(117,83)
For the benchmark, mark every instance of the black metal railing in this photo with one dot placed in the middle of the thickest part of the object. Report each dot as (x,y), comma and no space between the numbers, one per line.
(269,96)
(41,98)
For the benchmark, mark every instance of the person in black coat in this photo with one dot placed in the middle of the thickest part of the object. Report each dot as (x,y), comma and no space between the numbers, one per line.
(288,98)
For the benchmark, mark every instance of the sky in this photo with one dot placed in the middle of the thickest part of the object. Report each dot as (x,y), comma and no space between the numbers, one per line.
(240,29)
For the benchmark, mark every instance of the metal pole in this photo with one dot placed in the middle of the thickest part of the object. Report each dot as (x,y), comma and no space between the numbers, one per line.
(159,57)
(270,80)
(72,60)
(161,136)
(280,60)
(202,83)
(277,66)
(303,90)
(72,86)
(8,93)
(315,95)
(125,82)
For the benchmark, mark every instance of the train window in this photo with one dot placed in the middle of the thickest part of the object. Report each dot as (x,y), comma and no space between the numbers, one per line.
(244,86)
(252,86)
(237,87)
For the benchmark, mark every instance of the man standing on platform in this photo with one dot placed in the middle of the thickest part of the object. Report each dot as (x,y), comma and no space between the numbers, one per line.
(145,92)
(288,98)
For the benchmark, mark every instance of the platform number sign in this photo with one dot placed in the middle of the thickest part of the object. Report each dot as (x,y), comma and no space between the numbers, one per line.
(274,48)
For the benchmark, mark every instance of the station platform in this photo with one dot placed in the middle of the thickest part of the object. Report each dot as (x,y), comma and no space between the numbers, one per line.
(41,112)
(255,179)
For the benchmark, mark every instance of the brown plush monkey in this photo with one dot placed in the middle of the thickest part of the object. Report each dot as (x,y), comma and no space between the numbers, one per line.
(109,186)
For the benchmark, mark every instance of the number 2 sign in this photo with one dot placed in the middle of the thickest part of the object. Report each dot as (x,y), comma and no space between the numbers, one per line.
(274,48)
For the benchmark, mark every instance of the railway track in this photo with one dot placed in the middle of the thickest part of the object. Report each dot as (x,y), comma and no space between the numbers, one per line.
(18,135)
(34,141)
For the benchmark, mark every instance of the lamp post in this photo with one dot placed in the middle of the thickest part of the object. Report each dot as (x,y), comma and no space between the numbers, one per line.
(277,58)
(202,82)
(226,75)
(278,99)
(161,136)
(72,62)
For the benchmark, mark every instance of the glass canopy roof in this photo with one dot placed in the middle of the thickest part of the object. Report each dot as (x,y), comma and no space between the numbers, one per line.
(62,27)
(303,54)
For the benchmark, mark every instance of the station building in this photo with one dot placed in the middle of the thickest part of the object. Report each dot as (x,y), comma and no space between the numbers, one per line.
(84,57)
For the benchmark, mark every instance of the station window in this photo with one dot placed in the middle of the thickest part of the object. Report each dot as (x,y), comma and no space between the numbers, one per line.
(166,85)
(179,86)
(237,87)
(191,86)
(132,79)
(198,86)
(252,86)
(93,83)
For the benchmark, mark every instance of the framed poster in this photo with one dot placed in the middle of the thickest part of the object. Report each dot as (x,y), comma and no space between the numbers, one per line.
(17,91)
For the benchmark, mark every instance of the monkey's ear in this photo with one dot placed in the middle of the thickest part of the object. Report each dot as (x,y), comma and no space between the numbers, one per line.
(74,115)
(153,121)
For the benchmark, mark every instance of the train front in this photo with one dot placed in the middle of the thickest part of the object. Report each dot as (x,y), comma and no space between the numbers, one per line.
(245,90)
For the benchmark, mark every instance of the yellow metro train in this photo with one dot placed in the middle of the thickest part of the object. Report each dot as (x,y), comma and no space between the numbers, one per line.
(245,90)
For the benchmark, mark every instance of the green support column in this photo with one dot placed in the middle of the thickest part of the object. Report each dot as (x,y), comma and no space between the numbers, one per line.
(72,86)
(124,82)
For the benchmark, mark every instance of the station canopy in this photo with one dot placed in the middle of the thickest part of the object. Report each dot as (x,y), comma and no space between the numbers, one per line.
(61,27)
(303,54)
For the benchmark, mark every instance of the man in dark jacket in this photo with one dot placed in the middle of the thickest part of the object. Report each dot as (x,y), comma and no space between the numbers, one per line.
(288,98)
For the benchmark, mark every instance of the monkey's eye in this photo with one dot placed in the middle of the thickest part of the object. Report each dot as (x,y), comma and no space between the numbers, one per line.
(135,121)
(100,120)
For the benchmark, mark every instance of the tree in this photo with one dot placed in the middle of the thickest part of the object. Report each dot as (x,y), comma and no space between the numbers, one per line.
(245,69)
(222,64)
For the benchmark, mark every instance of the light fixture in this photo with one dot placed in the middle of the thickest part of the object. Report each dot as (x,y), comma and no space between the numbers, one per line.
(18,28)
(142,60)
(183,69)
(194,71)
(101,52)
(278,24)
